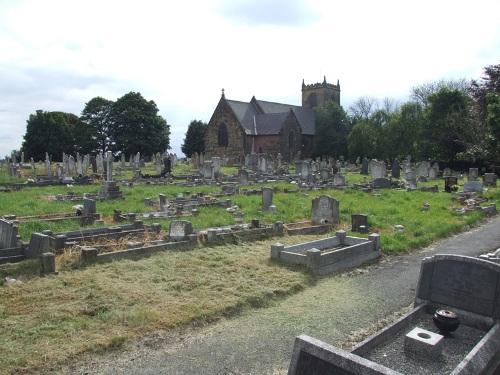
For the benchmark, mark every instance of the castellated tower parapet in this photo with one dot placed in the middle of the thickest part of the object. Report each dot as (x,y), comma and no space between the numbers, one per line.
(317,94)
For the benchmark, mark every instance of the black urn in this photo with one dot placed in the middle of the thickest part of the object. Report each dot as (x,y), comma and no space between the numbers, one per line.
(446,321)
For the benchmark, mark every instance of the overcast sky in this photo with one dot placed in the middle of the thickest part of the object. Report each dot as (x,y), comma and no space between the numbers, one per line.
(56,55)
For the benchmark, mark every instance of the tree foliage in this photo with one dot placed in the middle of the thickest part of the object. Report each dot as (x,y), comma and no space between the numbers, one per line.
(332,128)
(421,93)
(51,132)
(96,116)
(194,140)
(135,126)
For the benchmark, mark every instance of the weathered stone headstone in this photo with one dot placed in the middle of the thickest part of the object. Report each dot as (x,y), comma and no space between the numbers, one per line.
(207,169)
(325,210)
(473,174)
(325,174)
(364,166)
(377,169)
(109,166)
(179,229)
(89,206)
(490,179)
(267,198)
(242,177)
(473,186)
(446,172)
(339,180)
(382,183)
(433,173)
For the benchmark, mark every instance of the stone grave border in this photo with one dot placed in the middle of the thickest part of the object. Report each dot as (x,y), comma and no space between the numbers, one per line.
(356,252)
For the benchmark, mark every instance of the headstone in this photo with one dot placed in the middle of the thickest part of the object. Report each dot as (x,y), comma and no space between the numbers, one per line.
(433,173)
(325,174)
(325,210)
(206,169)
(422,169)
(449,183)
(339,180)
(298,167)
(216,163)
(71,165)
(158,167)
(473,186)
(100,162)
(89,206)
(122,160)
(179,229)
(267,198)
(466,283)
(305,171)
(359,223)
(364,166)
(411,180)
(473,174)
(490,179)
(382,183)
(79,163)
(377,169)
(242,177)
(446,172)
(396,169)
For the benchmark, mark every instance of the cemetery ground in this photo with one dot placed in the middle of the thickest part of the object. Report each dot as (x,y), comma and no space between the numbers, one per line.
(51,320)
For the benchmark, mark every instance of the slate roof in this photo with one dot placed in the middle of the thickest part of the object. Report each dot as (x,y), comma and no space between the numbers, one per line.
(259,117)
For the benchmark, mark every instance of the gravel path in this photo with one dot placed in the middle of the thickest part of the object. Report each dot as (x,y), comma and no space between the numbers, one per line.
(261,341)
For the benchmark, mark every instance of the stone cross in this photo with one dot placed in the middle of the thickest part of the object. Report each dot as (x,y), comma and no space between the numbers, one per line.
(109,165)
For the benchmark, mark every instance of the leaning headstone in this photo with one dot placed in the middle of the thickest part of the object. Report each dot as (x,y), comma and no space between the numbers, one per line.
(325,210)
(179,229)
(267,198)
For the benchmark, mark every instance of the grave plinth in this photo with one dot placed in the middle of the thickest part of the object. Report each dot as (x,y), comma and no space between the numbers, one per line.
(109,190)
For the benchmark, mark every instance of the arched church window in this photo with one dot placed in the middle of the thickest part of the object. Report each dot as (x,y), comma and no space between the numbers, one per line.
(222,135)
(291,139)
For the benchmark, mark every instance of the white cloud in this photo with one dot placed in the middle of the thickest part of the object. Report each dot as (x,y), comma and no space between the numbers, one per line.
(57,55)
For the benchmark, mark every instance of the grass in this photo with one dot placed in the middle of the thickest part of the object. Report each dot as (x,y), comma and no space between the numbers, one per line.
(45,320)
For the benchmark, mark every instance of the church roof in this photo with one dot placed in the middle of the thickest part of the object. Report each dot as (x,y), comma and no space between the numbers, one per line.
(260,117)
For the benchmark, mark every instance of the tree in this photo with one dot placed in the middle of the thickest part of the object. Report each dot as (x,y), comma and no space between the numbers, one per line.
(420,94)
(135,126)
(332,128)
(483,137)
(96,116)
(445,116)
(51,132)
(195,138)
(363,108)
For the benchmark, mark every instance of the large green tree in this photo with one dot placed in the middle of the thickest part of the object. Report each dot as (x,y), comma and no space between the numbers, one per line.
(194,140)
(51,132)
(332,128)
(445,116)
(135,126)
(483,139)
(96,116)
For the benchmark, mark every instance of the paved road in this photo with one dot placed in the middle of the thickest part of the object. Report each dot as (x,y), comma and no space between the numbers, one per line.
(261,341)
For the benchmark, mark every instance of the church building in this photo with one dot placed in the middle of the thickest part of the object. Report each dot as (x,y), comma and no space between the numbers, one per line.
(240,128)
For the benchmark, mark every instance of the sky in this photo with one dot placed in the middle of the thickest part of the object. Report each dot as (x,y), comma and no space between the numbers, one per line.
(56,55)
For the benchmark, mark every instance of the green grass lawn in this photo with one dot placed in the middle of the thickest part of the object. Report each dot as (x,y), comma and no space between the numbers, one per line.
(92,308)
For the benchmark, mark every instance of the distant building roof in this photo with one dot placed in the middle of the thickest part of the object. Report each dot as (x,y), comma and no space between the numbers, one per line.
(259,117)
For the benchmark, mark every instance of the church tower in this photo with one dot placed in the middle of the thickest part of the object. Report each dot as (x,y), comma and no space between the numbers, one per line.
(317,94)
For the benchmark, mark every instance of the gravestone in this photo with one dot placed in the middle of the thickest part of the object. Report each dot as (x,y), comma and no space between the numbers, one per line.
(206,169)
(411,180)
(396,169)
(377,169)
(422,169)
(433,173)
(304,170)
(298,167)
(449,183)
(216,163)
(467,283)
(490,179)
(339,180)
(325,174)
(89,206)
(382,183)
(242,177)
(267,198)
(473,174)
(364,166)
(446,172)
(325,210)
(473,186)
(179,229)
(359,223)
